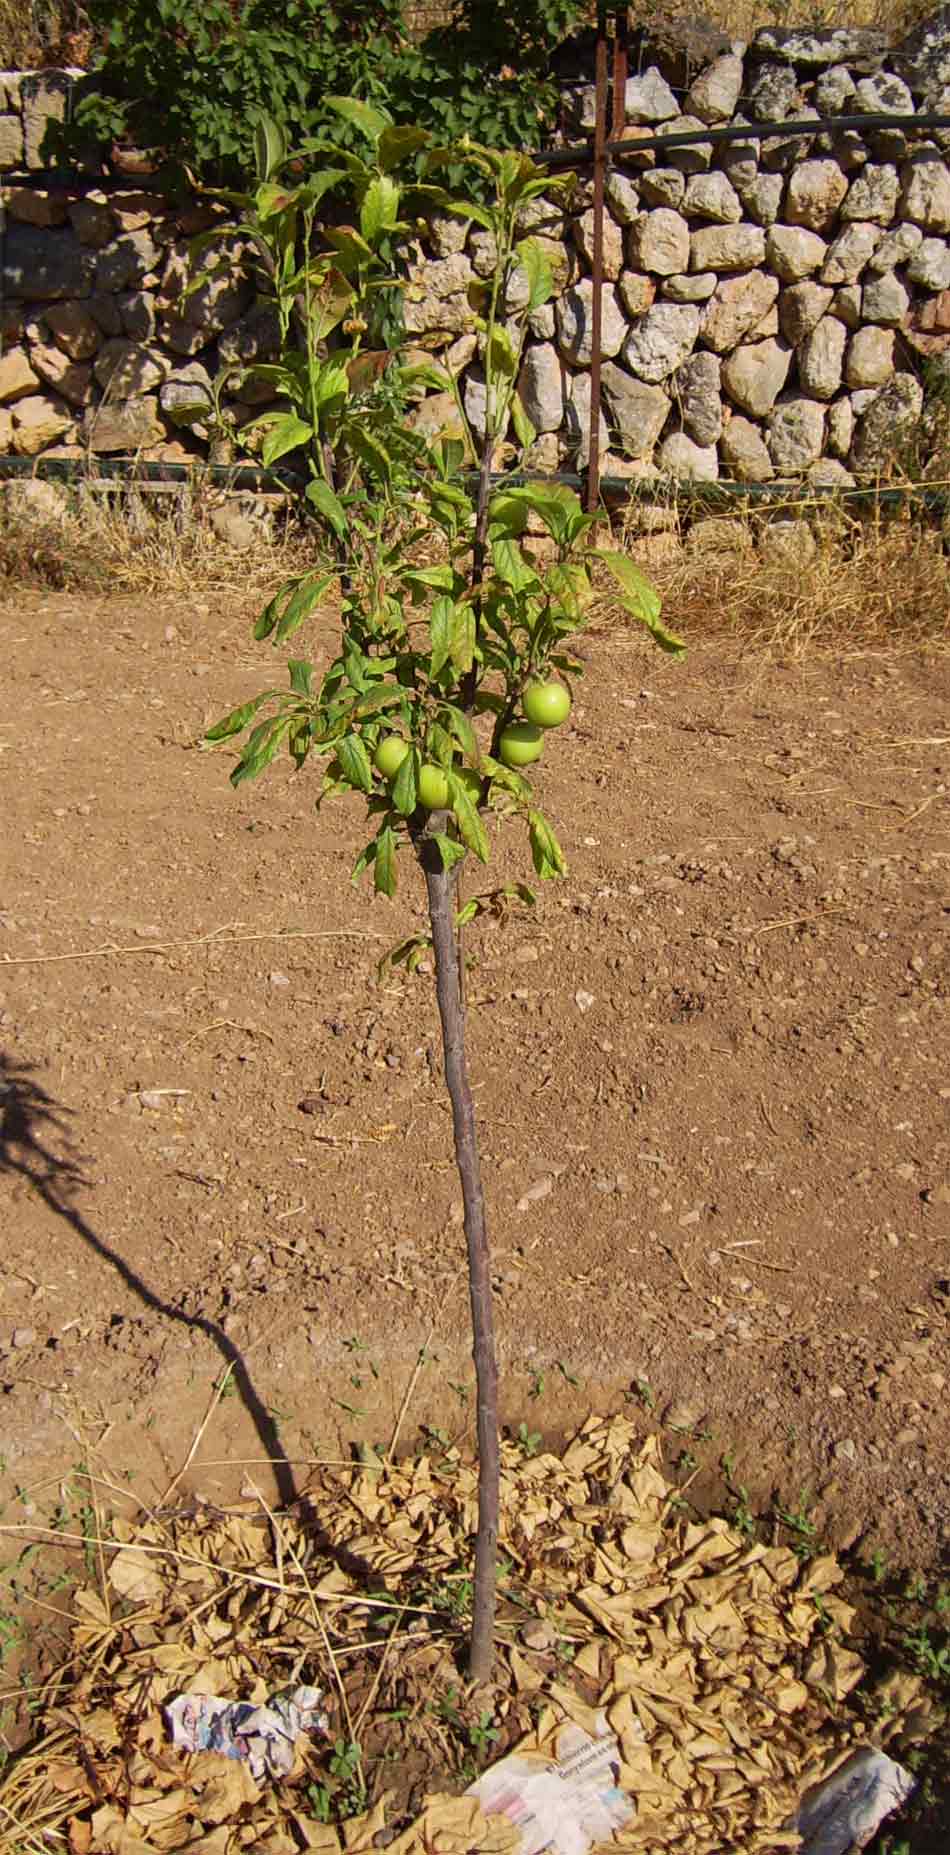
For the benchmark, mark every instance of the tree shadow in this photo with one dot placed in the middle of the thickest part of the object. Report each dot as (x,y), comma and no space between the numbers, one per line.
(36,1143)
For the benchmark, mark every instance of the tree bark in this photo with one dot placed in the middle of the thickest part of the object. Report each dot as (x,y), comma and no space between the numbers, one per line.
(440,888)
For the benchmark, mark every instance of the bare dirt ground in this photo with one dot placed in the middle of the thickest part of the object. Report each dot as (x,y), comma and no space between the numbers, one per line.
(720,1052)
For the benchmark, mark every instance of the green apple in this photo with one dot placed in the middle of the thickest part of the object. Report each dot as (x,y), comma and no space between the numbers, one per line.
(547,705)
(521,742)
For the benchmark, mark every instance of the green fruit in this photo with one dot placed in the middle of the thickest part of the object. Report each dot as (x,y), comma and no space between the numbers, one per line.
(389,755)
(432,787)
(521,742)
(546,704)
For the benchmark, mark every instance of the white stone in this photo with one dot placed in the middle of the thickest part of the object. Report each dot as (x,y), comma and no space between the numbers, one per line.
(637,292)
(686,289)
(744,453)
(623,197)
(660,242)
(663,186)
(710,196)
(796,433)
(888,423)
(679,457)
(792,252)
(713,96)
(828,474)
(649,98)
(17,377)
(850,252)
(39,421)
(762,198)
(661,340)
(833,90)
(448,235)
(846,305)
(815,192)
(895,248)
(930,263)
(873,194)
(573,317)
(840,427)
(925,193)
(885,301)
(754,374)
(870,360)
(584,240)
(638,411)
(800,309)
(693,157)
(882,95)
(726,248)
(697,387)
(541,386)
(577,417)
(738,305)
(821,359)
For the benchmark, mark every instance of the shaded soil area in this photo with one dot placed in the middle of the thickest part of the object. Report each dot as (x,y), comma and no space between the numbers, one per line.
(712,1073)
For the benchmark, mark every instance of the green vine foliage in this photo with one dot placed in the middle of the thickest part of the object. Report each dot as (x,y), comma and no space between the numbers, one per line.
(189,79)
(445,617)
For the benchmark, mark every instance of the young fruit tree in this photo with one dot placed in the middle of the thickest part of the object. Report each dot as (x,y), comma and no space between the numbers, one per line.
(451,656)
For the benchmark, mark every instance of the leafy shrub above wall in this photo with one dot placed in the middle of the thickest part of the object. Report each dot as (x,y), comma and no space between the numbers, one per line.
(188,79)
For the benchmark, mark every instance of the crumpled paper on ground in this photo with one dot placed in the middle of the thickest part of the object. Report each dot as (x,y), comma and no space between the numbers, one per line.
(564,1803)
(846,1809)
(264,1737)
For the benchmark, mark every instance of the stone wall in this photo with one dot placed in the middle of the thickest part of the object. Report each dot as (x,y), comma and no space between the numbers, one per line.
(768,309)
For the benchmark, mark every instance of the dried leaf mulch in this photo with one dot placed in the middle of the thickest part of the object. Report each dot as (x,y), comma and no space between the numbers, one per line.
(723,1667)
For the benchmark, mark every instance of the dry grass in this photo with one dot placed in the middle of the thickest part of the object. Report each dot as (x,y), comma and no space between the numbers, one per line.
(843,582)
(128,540)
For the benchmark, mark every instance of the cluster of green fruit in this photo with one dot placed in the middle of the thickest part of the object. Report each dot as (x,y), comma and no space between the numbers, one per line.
(546,705)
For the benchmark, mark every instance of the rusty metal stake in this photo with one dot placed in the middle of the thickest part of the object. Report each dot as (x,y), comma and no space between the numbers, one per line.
(619,112)
(597,258)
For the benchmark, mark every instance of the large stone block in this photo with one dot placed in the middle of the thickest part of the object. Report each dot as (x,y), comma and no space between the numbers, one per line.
(11,143)
(889,423)
(744,453)
(815,192)
(821,359)
(873,194)
(661,340)
(793,252)
(638,411)
(796,433)
(659,242)
(541,386)
(712,196)
(574,323)
(40,421)
(754,374)
(44,97)
(858,47)
(679,457)
(738,305)
(697,385)
(72,380)
(713,95)
(17,377)
(925,193)
(73,329)
(850,252)
(800,309)
(727,248)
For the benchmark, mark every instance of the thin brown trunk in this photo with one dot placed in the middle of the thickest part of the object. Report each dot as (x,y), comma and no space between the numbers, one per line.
(440,888)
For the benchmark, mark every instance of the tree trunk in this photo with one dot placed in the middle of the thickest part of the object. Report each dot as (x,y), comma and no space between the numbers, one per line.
(440,888)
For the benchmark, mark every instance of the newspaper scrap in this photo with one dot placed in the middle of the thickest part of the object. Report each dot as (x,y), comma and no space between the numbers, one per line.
(846,1810)
(563,1803)
(264,1737)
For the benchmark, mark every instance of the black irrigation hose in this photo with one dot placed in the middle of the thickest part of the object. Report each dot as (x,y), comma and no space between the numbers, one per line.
(739,132)
(546,157)
(616,490)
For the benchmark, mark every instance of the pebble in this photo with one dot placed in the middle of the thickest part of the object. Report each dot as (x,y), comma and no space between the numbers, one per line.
(535,1193)
(847,1451)
(24,1337)
(538,1636)
(837,1391)
(278,979)
(584,1000)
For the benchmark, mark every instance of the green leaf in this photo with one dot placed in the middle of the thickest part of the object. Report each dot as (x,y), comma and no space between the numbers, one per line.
(308,594)
(384,872)
(535,263)
(329,506)
(354,760)
(511,565)
(441,619)
(460,726)
(300,740)
(524,430)
(372,122)
(501,357)
(329,304)
(237,719)
(404,785)
(379,211)
(450,850)
(262,745)
(567,583)
(546,852)
(376,700)
(285,436)
(471,830)
(507,513)
(397,143)
(641,600)
(270,147)
(301,676)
